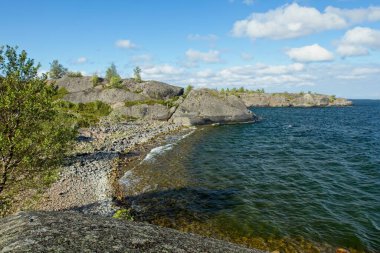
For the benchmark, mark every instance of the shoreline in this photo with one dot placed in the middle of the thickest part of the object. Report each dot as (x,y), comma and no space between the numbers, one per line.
(88,180)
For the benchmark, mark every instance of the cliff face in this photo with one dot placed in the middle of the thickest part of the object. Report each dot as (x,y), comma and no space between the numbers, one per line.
(291,100)
(74,232)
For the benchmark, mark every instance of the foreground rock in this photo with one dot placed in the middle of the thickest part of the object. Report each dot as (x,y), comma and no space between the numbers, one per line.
(291,100)
(73,232)
(206,106)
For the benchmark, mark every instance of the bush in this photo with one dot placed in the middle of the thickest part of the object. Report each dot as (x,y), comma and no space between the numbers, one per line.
(57,70)
(34,134)
(95,80)
(85,114)
(61,93)
(123,214)
(74,74)
(116,82)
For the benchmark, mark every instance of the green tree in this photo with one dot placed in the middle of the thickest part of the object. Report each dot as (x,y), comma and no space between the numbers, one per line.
(112,72)
(57,70)
(34,135)
(137,74)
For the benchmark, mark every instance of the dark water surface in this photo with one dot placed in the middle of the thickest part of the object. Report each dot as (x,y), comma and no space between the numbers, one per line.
(297,179)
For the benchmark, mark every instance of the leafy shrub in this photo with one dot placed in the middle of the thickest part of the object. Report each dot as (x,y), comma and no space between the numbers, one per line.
(123,214)
(61,93)
(116,82)
(34,134)
(95,80)
(85,114)
(74,74)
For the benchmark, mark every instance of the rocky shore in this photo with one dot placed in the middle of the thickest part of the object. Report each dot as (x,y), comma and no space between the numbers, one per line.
(84,182)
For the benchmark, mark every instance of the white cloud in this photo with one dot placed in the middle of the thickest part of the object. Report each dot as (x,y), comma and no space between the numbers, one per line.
(313,53)
(161,72)
(125,44)
(246,56)
(211,56)
(248,2)
(293,20)
(356,16)
(81,60)
(358,41)
(208,37)
(360,73)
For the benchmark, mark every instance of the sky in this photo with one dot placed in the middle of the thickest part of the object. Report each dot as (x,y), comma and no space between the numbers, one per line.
(330,47)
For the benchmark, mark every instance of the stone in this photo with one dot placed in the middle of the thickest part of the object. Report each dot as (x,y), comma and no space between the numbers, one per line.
(74,232)
(206,106)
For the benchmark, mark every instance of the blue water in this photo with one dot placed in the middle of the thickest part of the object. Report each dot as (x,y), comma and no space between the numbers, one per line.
(312,173)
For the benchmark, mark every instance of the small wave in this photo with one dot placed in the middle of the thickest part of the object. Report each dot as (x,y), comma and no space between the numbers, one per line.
(162,149)
(157,151)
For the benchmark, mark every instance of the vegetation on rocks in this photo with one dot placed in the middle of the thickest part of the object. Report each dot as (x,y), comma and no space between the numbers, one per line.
(85,114)
(112,72)
(169,102)
(74,74)
(137,74)
(95,80)
(34,134)
(123,214)
(57,70)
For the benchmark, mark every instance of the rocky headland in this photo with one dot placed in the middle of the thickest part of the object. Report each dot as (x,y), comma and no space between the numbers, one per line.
(292,100)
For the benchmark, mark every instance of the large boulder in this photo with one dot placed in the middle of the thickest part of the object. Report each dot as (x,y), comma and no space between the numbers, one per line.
(143,111)
(154,89)
(206,106)
(74,232)
(74,84)
(107,95)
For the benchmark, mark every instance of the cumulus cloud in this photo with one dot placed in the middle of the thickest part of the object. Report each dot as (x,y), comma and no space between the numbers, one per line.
(358,41)
(313,53)
(211,56)
(161,72)
(208,37)
(293,20)
(81,60)
(125,44)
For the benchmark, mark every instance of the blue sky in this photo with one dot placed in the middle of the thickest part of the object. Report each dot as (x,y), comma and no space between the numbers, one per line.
(321,46)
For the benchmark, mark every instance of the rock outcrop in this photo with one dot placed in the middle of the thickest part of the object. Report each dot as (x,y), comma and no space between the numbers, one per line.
(106,95)
(206,106)
(144,111)
(74,232)
(154,89)
(291,100)
(74,84)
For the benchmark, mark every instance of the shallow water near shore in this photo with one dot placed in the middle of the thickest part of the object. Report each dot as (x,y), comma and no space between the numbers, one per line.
(305,180)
